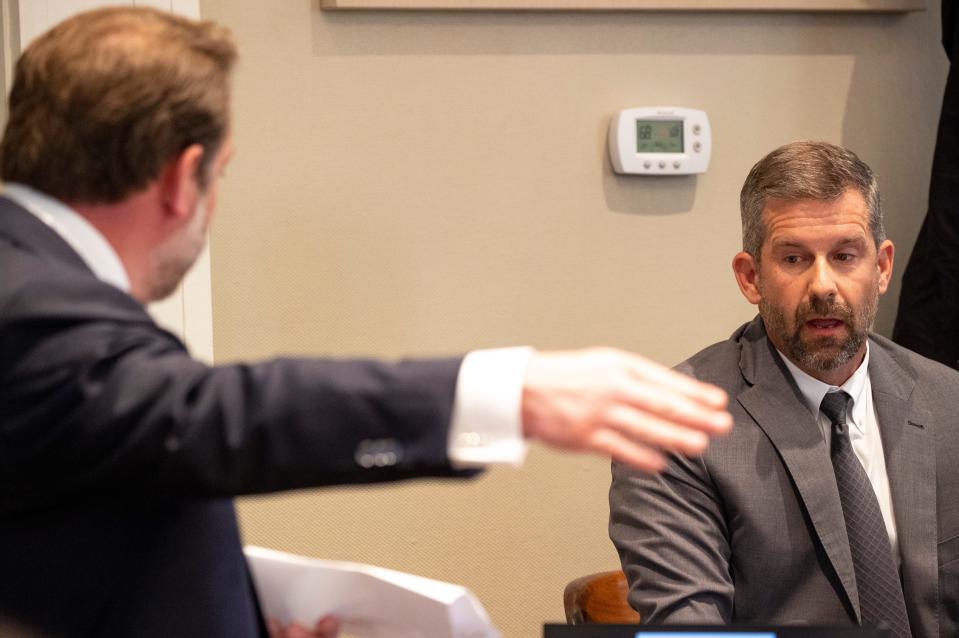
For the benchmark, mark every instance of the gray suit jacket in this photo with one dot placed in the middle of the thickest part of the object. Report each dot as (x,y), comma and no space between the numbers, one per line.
(753,531)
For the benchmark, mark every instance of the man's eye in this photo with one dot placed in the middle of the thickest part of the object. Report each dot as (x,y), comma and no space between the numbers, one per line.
(845,257)
(792,259)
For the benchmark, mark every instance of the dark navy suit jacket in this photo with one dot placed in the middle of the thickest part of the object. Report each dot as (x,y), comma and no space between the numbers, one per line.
(120,455)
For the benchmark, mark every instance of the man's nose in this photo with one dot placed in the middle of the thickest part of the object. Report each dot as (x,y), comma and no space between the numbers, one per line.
(822,282)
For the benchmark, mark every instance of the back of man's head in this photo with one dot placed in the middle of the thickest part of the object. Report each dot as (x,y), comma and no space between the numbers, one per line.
(800,170)
(103,100)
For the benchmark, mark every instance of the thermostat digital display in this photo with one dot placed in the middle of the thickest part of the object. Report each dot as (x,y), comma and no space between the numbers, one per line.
(660,140)
(659,136)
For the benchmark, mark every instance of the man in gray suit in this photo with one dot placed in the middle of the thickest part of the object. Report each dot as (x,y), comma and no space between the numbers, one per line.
(835,500)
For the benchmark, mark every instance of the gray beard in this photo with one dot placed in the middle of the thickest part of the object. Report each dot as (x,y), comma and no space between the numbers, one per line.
(824,354)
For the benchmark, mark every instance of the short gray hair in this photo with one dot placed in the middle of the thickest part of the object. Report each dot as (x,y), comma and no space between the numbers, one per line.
(806,169)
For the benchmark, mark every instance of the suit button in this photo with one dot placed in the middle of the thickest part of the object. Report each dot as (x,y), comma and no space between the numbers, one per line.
(378,453)
(384,459)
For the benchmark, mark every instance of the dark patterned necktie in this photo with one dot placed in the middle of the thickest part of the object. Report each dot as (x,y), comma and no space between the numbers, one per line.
(881,599)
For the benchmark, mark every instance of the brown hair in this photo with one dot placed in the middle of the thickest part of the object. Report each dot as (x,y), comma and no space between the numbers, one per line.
(805,170)
(103,100)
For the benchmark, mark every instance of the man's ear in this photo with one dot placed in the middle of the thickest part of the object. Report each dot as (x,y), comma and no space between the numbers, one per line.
(884,264)
(747,276)
(179,186)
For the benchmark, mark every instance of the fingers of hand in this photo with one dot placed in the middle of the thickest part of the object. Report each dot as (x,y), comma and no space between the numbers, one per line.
(625,450)
(328,627)
(651,430)
(706,394)
(275,628)
(299,631)
(668,404)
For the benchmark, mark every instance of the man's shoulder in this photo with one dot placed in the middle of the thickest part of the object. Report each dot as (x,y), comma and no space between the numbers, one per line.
(927,373)
(719,363)
(36,287)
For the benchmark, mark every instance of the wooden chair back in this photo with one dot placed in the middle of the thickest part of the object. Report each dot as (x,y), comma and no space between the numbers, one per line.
(599,598)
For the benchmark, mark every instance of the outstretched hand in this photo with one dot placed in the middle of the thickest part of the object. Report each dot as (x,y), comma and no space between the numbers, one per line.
(620,405)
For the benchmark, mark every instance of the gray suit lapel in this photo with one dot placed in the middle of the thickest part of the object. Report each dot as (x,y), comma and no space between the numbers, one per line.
(774,402)
(908,447)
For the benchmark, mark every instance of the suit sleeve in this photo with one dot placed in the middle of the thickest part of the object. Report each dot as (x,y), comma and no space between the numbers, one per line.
(92,404)
(672,541)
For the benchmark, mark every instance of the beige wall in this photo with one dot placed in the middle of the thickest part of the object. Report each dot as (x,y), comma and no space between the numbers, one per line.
(430,183)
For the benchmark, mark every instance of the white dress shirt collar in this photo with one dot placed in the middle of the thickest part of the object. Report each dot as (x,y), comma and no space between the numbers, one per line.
(80,234)
(813,390)
(864,433)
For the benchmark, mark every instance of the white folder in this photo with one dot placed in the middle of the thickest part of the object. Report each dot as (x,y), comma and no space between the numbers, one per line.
(370,602)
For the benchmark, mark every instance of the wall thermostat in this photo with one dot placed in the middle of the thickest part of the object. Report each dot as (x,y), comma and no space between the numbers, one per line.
(660,140)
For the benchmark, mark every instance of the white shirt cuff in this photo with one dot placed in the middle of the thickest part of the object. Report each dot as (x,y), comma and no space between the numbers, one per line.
(487,426)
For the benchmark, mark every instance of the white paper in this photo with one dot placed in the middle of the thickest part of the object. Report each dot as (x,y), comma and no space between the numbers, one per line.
(371,602)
